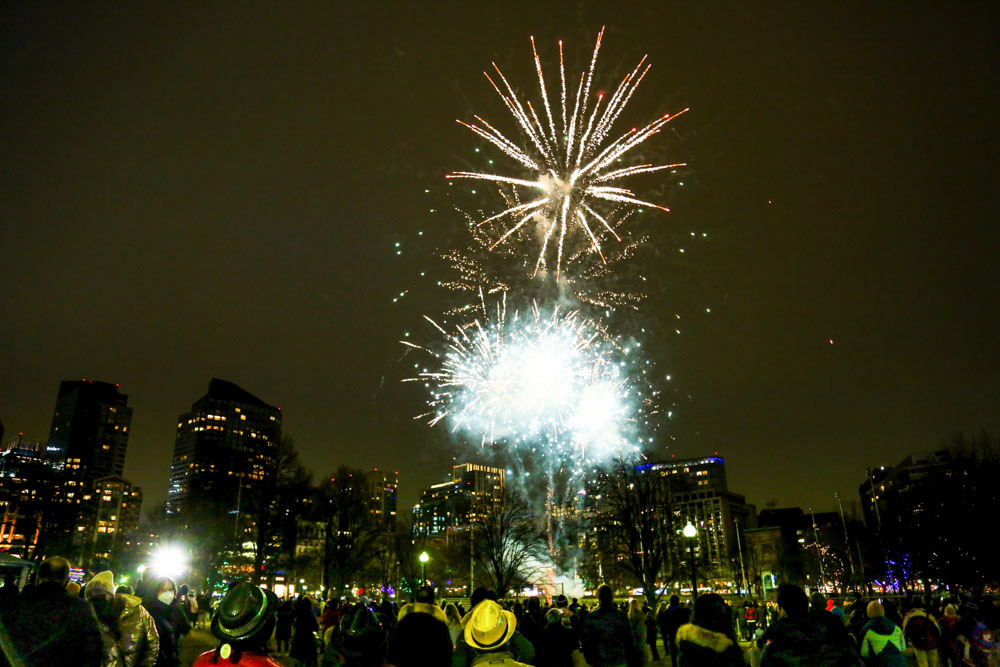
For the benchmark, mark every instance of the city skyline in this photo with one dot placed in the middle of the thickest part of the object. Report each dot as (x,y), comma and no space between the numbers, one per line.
(841,166)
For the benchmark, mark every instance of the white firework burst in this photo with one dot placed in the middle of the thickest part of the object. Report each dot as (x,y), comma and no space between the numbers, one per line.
(574,168)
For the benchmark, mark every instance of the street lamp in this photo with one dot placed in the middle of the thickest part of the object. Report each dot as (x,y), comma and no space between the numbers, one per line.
(691,533)
(423,568)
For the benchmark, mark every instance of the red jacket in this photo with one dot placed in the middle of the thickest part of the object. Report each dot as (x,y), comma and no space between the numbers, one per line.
(248,659)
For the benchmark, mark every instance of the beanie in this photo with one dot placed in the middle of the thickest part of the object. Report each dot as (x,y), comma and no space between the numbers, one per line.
(103,583)
(875,609)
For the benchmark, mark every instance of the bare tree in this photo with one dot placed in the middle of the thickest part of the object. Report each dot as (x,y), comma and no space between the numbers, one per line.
(351,530)
(273,507)
(509,544)
(636,523)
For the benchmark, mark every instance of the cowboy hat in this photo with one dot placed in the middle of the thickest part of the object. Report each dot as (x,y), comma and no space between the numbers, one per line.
(490,626)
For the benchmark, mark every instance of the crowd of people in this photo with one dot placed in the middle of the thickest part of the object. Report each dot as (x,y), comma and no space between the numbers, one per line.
(57,622)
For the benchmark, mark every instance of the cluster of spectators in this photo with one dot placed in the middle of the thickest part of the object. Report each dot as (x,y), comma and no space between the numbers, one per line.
(58,622)
(55,622)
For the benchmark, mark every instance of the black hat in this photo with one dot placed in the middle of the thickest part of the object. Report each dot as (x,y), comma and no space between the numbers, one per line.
(561,601)
(243,612)
(360,631)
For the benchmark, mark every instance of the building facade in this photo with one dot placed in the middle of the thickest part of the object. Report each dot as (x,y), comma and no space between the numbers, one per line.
(458,503)
(700,495)
(224,446)
(90,429)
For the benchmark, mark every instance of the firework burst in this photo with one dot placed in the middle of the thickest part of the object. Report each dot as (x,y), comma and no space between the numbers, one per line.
(544,379)
(574,169)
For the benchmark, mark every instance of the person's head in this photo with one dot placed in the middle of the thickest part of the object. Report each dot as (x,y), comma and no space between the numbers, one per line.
(164,589)
(100,593)
(478,596)
(950,610)
(633,608)
(490,627)
(124,589)
(73,589)
(817,602)
(451,611)
(875,609)
(712,613)
(425,595)
(605,596)
(54,570)
(534,604)
(561,601)
(304,605)
(244,619)
(361,634)
(674,600)
(792,601)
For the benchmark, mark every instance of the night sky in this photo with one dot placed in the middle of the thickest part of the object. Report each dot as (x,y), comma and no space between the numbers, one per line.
(193,192)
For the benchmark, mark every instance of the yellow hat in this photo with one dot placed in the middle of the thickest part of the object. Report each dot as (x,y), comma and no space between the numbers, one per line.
(490,626)
(103,583)
(875,609)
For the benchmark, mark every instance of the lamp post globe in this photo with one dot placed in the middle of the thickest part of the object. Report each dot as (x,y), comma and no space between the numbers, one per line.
(423,568)
(691,533)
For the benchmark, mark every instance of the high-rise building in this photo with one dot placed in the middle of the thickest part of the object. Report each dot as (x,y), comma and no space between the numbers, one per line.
(224,446)
(703,498)
(384,488)
(107,524)
(27,483)
(90,429)
(456,504)
(884,490)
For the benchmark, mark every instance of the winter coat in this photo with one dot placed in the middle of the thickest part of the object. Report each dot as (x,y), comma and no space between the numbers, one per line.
(133,640)
(949,638)
(497,659)
(420,639)
(286,615)
(670,619)
(700,647)
(554,646)
(921,630)
(810,640)
(607,638)
(303,646)
(171,623)
(46,626)
(882,643)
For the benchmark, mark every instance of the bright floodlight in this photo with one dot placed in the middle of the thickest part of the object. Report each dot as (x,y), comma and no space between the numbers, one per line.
(424,557)
(169,560)
(689,530)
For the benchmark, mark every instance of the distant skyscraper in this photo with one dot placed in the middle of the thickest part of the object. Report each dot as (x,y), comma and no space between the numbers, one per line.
(223,447)
(473,489)
(108,522)
(702,497)
(384,487)
(90,428)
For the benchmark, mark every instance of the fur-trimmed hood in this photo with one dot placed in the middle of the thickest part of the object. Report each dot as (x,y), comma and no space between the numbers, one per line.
(714,641)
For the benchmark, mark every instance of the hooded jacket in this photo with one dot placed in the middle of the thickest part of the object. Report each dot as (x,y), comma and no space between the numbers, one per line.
(805,641)
(45,625)
(135,641)
(698,646)
(882,643)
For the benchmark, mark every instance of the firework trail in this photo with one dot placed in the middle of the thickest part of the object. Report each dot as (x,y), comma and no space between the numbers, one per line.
(575,169)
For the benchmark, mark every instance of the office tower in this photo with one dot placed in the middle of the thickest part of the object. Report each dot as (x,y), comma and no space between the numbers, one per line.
(224,447)
(456,504)
(90,429)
